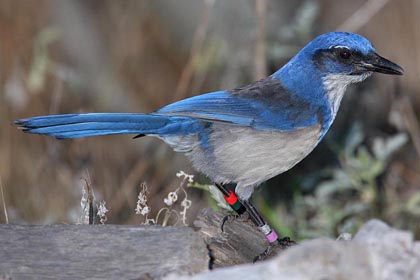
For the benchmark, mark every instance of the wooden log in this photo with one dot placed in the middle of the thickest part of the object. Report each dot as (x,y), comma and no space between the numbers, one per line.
(239,242)
(126,252)
(99,252)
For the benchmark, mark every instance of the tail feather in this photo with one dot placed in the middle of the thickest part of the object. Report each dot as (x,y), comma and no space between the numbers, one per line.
(95,124)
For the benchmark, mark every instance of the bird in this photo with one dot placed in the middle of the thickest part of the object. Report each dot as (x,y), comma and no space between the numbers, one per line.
(245,136)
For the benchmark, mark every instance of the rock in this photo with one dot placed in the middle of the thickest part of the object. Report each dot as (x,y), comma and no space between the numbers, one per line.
(345,236)
(392,251)
(376,252)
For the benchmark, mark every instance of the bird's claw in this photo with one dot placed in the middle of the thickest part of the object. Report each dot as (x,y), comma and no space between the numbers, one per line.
(282,243)
(264,254)
(285,242)
(233,217)
(226,218)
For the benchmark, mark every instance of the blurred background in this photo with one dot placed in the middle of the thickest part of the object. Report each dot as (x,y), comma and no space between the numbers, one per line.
(136,56)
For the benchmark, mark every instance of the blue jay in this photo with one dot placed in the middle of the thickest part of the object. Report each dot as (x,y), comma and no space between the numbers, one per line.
(247,135)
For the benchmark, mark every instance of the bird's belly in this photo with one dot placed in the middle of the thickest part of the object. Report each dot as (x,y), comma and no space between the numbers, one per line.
(249,157)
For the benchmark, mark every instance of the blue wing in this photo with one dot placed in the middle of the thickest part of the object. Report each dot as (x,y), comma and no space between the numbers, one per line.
(263,105)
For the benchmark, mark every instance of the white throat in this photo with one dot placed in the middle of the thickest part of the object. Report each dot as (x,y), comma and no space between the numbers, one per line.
(336,84)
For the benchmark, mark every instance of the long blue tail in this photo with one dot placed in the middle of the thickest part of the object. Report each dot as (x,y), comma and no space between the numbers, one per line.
(94,124)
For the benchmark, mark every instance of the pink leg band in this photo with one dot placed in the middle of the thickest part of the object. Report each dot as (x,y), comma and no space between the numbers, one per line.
(272,236)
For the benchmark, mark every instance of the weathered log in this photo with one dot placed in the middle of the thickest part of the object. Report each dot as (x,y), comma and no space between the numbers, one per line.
(99,252)
(126,252)
(239,242)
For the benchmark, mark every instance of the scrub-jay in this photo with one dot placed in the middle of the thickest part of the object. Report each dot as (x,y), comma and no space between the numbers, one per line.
(247,135)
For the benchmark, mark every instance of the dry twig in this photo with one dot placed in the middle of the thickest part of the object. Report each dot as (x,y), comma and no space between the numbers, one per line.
(3,201)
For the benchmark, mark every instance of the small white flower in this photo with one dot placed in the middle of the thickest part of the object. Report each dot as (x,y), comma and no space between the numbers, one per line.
(167,202)
(138,209)
(145,210)
(141,207)
(141,199)
(190,178)
(186,176)
(186,203)
(102,210)
(171,199)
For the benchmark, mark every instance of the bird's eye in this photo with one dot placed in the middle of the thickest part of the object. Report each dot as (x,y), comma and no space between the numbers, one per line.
(344,53)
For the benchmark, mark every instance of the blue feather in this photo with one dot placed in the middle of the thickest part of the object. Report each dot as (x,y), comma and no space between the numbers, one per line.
(282,113)
(94,124)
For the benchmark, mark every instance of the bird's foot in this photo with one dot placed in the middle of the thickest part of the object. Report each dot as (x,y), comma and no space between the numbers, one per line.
(234,217)
(281,244)
(285,242)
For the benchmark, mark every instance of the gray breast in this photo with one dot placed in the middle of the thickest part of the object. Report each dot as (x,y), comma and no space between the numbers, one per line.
(249,157)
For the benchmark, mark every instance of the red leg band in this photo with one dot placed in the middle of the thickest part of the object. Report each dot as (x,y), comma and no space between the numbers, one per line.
(231,199)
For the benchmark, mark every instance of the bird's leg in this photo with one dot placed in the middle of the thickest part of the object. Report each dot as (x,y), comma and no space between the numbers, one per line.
(233,201)
(246,207)
(269,233)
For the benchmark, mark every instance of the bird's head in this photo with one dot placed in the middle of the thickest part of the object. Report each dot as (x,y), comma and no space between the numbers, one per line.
(347,54)
(330,62)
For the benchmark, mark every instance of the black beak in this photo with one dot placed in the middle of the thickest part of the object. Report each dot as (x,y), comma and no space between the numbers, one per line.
(377,63)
